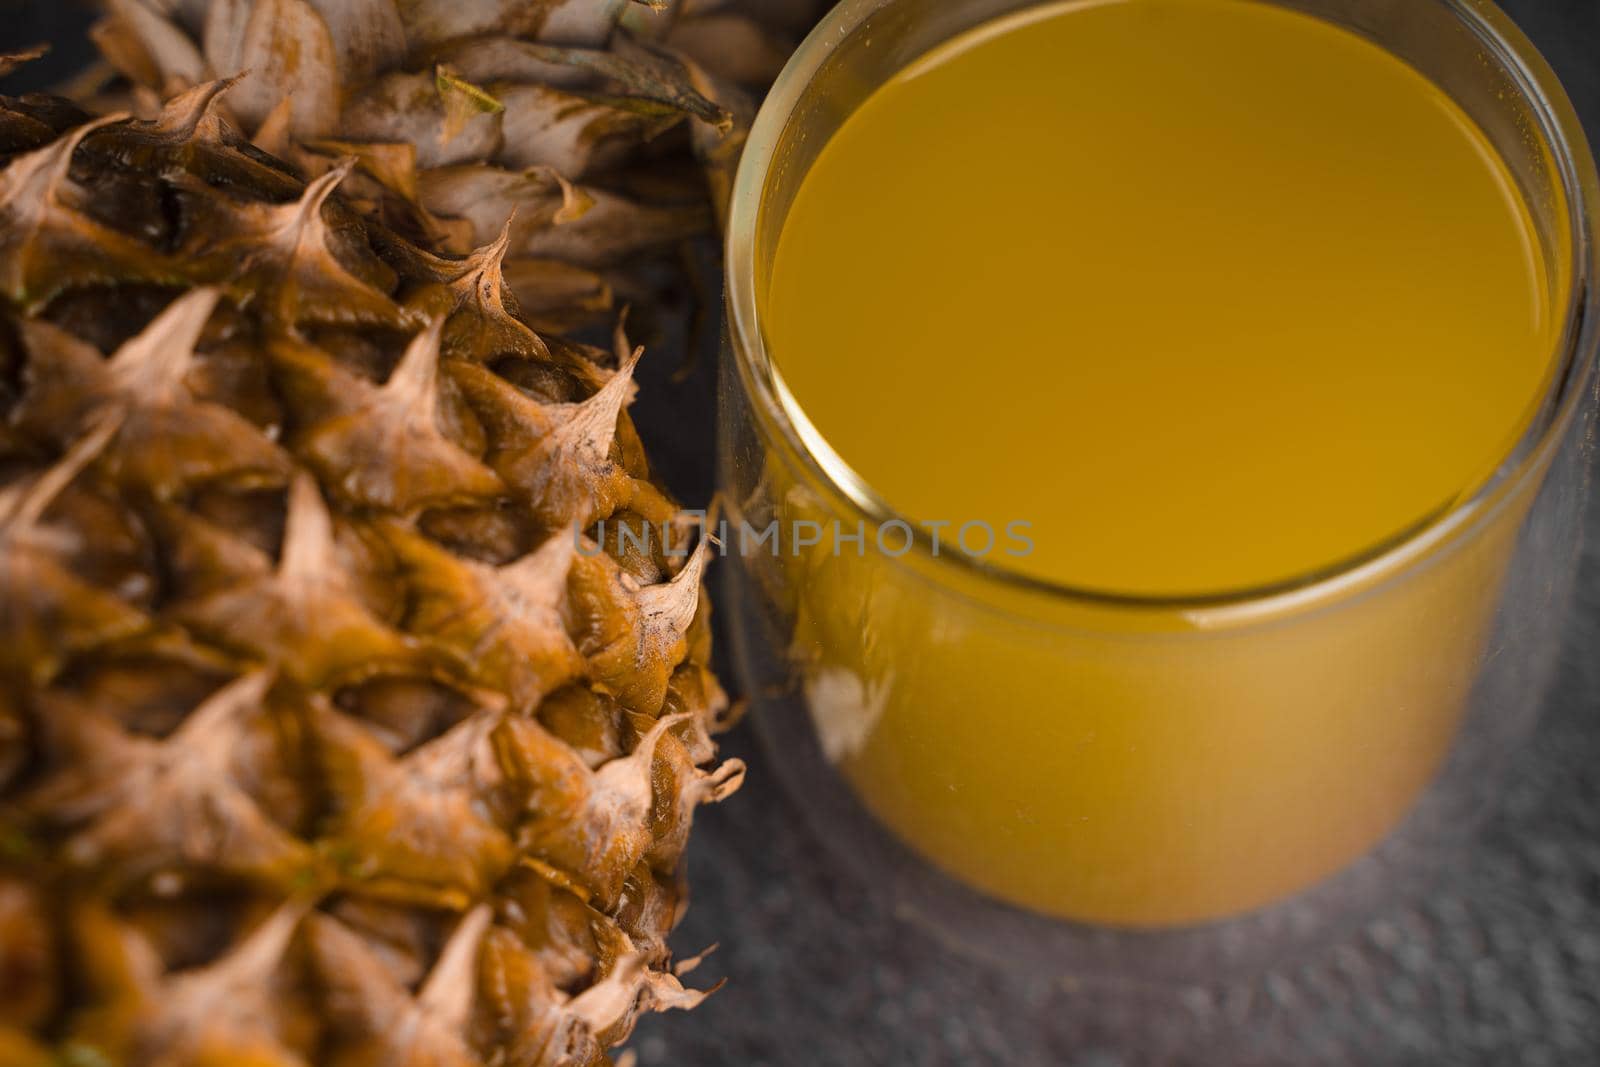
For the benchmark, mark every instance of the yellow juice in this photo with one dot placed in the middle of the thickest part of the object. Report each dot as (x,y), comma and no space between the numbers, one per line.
(1156,299)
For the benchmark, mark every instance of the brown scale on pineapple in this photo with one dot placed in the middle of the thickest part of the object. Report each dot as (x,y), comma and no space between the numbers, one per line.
(578,117)
(329,732)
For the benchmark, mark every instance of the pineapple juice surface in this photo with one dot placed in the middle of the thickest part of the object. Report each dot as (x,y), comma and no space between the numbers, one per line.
(1211,296)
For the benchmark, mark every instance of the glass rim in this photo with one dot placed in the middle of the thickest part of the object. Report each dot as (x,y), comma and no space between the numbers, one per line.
(1577,352)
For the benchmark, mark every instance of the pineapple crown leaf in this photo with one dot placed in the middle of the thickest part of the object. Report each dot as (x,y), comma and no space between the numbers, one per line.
(575,203)
(286,49)
(648,80)
(392,165)
(143,43)
(462,102)
(457,91)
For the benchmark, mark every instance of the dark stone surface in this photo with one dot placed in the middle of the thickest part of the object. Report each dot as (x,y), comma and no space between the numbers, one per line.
(1499,966)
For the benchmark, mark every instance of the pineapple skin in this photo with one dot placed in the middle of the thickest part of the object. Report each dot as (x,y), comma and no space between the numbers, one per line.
(324,738)
(569,116)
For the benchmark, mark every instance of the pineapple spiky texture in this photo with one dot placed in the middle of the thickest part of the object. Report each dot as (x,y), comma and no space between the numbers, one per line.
(328,734)
(567,114)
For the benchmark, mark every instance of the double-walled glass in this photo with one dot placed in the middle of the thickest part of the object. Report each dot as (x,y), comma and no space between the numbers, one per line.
(1126,785)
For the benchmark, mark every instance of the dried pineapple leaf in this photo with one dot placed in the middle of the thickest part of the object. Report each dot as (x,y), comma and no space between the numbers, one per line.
(429,22)
(144,45)
(47,245)
(628,68)
(614,229)
(305,617)
(574,133)
(503,623)
(462,100)
(557,296)
(385,448)
(368,36)
(730,45)
(492,199)
(285,50)
(720,149)
(446,119)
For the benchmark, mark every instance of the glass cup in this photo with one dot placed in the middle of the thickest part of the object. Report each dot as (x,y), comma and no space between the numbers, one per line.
(1215,783)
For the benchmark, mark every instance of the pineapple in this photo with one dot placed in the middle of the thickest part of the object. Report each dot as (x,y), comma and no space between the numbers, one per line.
(462,113)
(328,733)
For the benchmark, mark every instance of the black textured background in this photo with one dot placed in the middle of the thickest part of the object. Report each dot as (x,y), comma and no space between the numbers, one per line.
(1501,966)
